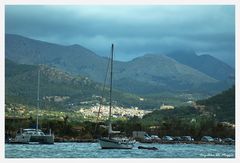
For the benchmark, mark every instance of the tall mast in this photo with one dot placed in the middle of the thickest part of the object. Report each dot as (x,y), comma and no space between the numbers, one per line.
(111,74)
(38,100)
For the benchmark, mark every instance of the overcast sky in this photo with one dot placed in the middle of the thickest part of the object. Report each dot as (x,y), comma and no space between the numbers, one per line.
(135,30)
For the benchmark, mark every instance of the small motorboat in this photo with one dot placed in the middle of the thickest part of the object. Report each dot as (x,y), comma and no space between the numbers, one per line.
(149,148)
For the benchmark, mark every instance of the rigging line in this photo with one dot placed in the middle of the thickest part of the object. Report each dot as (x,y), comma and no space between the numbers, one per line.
(104,86)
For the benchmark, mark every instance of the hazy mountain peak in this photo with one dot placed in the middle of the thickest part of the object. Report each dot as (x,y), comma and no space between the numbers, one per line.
(204,63)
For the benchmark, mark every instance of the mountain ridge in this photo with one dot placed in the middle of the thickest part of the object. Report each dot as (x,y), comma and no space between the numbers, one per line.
(75,59)
(21,87)
(204,63)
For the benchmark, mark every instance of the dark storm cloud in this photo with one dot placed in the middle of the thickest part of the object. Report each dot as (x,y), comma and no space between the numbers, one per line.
(135,30)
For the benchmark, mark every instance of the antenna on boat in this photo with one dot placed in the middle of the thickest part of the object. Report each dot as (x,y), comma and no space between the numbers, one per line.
(110,109)
(38,85)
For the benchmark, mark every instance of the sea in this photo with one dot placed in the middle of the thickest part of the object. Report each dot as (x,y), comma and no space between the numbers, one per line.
(93,150)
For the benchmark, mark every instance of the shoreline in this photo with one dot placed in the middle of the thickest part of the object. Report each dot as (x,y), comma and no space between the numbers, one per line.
(74,140)
(144,142)
(95,141)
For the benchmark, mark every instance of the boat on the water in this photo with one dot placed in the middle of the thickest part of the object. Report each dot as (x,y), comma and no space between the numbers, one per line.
(114,142)
(33,135)
(148,148)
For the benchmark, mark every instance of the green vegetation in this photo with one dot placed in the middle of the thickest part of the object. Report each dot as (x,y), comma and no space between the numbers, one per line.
(214,116)
(197,121)
(185,121)
(59,90)
(221,105)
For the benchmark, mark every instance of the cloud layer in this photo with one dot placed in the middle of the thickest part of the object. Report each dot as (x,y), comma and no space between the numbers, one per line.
(135,30)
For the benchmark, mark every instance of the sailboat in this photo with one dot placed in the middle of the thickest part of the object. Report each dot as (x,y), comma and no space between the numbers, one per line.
(112,142)
(34,135)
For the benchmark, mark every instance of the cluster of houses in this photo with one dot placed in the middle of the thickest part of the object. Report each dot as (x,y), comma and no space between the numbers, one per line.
(116,112)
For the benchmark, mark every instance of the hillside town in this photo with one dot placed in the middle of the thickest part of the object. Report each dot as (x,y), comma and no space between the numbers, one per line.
(117,112)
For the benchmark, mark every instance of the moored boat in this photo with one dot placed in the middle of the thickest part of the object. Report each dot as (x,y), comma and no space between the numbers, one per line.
(33,135)
(28,136)
(112,142)
(116,143)
(149,148)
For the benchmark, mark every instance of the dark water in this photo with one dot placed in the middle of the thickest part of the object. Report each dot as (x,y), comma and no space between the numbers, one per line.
(93,150)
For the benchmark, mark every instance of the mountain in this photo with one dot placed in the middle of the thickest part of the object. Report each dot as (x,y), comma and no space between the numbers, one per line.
(161,72)
(74,59)
(222,105)
(58,89)
(214,116)
(143,75)
(203,63)
(21,85)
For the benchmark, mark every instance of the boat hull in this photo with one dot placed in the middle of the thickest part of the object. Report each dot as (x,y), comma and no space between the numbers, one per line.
(20,139)
(149,148)
(43,139)
(106,143)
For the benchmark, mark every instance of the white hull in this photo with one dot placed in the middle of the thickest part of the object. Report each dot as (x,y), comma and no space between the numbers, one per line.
(21,139)
(106,143)
(46,139)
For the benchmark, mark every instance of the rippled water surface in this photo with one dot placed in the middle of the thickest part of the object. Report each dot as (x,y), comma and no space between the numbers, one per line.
(93,150)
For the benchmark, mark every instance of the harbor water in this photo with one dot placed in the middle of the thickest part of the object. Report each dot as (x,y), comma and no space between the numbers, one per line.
(93,150)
